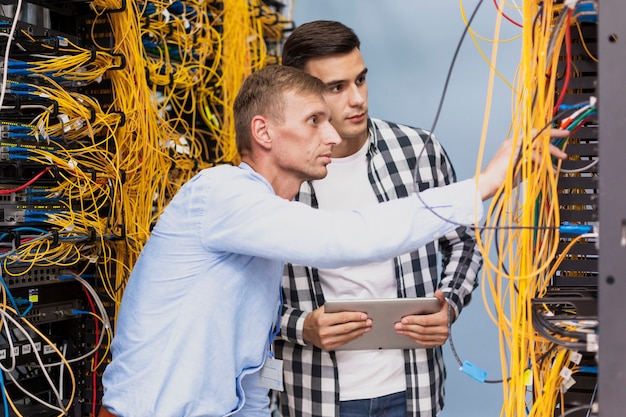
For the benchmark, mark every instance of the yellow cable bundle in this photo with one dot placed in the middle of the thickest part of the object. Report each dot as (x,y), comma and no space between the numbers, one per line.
(140,161)
(190,68)
(116,164)
(522,223)
(242,53)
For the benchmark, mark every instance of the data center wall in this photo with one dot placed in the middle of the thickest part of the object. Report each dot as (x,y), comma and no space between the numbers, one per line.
(107,108)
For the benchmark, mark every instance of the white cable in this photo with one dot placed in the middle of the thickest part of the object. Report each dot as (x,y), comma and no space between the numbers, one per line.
(5,73)
(62,370)
(39,400)
(10,342)
(106,324)
(18,326)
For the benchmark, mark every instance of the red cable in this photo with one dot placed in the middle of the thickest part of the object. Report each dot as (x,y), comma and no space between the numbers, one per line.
(495,2)
(568,67)
(21,187)
(95,357)
(582,123)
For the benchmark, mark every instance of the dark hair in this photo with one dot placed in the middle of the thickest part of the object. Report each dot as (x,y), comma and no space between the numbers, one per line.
(316,39)
(262,93)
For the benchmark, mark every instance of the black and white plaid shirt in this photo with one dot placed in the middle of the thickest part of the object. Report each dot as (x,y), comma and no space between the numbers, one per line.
(310,374)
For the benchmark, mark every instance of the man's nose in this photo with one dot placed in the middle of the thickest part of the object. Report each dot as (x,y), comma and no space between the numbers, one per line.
(331,135)
(356,95)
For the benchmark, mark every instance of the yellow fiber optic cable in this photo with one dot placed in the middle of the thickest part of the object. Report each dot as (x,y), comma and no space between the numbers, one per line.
(523,222)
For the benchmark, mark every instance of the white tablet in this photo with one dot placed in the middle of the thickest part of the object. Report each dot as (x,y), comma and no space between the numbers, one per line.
(384,312)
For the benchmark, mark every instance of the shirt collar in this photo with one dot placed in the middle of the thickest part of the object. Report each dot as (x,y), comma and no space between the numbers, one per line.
(372,137)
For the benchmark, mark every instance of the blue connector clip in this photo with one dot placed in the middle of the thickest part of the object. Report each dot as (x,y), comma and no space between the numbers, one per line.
(575,229)
(474,371)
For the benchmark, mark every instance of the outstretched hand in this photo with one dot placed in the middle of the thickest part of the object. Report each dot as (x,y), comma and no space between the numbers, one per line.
(494,174)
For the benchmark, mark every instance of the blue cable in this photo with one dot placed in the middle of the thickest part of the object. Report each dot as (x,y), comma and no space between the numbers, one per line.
(4,397)
(37,213)
(16,128)
(30,136)
(575,229)
(18,156)
(51,200)
(21,301)
(35,219)
(19,64)
(573,106)
(21,86)
(8,292)
(30,229)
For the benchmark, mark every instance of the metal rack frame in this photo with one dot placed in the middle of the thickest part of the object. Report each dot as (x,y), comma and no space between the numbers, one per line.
(612,266)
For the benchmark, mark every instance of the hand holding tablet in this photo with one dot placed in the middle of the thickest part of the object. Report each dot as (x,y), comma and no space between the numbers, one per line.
(384,313)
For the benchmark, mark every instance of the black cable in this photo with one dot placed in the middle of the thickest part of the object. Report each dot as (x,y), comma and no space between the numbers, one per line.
(574,410)
(429,138)
(445,86)
(538,326)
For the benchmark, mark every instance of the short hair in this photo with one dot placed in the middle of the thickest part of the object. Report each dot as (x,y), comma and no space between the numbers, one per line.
(317,39)
(263,93)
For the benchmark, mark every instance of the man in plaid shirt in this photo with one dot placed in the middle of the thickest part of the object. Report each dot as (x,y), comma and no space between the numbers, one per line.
(376,161)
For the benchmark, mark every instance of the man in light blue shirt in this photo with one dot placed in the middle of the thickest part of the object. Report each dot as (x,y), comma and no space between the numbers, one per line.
(198,314)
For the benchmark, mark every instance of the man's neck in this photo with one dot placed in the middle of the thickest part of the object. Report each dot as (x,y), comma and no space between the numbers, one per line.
(283,186)
(349,146)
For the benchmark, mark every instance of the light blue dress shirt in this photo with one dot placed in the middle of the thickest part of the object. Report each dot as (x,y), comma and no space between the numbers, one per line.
(200,305)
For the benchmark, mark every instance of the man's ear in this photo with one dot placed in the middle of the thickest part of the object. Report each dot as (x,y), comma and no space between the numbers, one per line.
(260,132)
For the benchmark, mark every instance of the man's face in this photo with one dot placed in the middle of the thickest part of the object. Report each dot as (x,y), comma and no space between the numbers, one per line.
(302,144)
(347,91)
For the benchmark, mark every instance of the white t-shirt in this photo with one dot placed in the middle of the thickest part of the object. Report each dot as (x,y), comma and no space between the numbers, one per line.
(362,373)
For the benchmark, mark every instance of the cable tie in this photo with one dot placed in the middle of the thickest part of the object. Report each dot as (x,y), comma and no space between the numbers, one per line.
(121,8)
(565,373)
(92,234)
(567,384)
(575,357)
(146,16)
(592,342)
(122,63)
(122,115)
